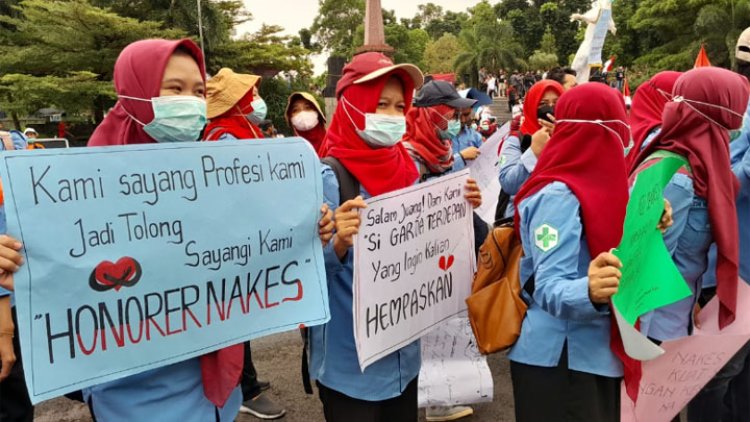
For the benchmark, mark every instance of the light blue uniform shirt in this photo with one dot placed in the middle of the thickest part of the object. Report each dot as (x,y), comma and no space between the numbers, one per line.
(515,168)
(688,241)
(333,354)
(19,142)
(170,393)
(468,137)
(740,154)
(560,311)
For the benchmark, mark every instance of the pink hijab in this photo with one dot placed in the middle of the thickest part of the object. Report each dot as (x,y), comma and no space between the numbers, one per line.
(138,73)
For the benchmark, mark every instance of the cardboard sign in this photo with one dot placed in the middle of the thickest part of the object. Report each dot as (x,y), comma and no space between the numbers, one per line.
(146,255)
(413,264)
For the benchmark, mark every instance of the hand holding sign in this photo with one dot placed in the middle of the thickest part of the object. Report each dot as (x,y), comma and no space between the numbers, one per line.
(347,225)
(650,278)
(604,277)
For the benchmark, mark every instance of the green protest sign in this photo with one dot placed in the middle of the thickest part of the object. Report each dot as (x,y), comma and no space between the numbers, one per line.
(650,278)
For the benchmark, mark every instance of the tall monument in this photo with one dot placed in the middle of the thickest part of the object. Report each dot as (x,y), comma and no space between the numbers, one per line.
(374,31)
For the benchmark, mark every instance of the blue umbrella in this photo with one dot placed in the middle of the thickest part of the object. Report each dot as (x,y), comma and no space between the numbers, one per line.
(475,94)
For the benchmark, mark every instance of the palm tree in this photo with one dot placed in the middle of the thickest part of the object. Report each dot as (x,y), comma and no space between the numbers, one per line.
(487,45)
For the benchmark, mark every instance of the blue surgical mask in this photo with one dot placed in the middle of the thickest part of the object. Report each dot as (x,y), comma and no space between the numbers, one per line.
(381,131)
(454,128)
(260,110)
(177,118)
(473,126)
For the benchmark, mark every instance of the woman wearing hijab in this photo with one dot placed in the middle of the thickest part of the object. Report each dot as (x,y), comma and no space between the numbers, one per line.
(234,107)
(306,118)
(647,108)
(160,88)
(570,214)
(430,127)
(373,97)
(707,104)
(520,152)
(428,138)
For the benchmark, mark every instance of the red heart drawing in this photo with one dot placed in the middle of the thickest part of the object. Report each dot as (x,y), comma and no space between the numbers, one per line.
(107,275)
(445,263)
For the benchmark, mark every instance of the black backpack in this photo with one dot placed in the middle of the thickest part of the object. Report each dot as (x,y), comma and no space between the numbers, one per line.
(348,189)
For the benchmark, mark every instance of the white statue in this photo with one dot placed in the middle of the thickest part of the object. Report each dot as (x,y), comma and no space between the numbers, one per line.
(599,20)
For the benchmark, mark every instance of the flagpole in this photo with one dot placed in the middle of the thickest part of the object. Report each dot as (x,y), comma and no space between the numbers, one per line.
(200,34)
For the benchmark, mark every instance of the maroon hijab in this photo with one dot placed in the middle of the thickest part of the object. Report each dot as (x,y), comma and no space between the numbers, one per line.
(703,139)
(590,160)
(138,73)
(647,108)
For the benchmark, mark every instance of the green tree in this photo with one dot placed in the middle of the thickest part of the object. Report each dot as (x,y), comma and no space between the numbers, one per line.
(450,23)
(486,42)
(545,57)
(70,43)
(336,24)
(218,17)
(264,51)
(439,55)
(408,44)
(674,30)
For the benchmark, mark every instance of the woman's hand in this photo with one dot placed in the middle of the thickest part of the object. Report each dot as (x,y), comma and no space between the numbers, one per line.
(7,355)
(539,140)
(347,225)
(10,260)
(666,217)
(549,125)
(604,277)
(470,153)
(326,225)
(473,194)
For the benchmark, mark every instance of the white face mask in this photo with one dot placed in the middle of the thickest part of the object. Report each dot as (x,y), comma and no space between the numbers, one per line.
(305,120)
(689,103)
(381,131)
(627,147)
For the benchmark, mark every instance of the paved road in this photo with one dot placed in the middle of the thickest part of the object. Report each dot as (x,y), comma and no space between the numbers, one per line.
(278,360)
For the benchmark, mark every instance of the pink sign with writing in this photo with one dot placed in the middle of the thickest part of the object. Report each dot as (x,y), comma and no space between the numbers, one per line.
(670,381)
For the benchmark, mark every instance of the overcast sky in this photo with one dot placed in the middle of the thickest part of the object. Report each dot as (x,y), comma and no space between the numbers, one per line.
(294,15)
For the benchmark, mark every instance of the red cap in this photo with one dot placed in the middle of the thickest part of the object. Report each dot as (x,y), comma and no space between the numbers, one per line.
(368,66)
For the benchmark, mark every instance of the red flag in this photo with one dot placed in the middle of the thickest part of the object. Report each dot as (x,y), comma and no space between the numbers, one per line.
(702,59)
(609,64)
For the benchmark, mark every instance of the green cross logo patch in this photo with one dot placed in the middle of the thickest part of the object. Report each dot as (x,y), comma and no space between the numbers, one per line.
(502,160)
(545,237)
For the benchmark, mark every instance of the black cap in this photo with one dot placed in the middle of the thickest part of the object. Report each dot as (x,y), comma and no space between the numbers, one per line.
(441,92)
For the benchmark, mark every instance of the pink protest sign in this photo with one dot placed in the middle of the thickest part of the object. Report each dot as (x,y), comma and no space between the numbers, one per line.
(670,381)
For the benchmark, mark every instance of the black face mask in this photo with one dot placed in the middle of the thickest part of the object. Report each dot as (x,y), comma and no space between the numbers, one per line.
(543,111)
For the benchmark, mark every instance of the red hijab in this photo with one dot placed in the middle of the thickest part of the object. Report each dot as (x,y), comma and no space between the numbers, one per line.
(648,105)
(590,160)
(379,170)
(531,104)
(422,140)
(234,122)
(138,73)
(314,136)
(705,144)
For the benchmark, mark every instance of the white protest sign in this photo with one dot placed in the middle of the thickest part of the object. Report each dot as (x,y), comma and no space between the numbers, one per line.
(453,371)
(413,264)
(670,381)
(486,171)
